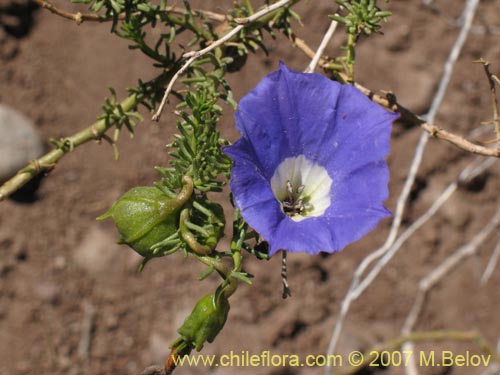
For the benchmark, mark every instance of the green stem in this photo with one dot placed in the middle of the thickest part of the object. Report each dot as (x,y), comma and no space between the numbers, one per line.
(351,57)
(249,6)
(48,161)
(216,264)
(236,244)
(189,237)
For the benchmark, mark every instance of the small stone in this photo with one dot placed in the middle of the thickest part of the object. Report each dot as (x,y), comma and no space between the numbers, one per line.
(19,142)
(59,262)
(47,292)
(97,252)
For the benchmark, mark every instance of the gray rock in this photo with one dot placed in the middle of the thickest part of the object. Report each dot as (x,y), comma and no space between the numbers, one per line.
(19,142)
(98,254)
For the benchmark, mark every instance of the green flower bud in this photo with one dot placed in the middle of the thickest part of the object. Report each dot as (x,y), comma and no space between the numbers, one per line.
(145,216)
(206,321)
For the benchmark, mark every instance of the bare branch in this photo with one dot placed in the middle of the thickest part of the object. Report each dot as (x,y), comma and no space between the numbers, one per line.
(389,101)
(494,101)
(445,268)
(192,56)
(491,264)
(358,285)
(324,42)
(79,17)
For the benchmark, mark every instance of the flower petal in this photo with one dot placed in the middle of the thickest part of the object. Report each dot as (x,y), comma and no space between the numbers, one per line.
(308,110)
(253,196)
(361,133)
(258,120)
(362,189)
(310,236)
(314,122)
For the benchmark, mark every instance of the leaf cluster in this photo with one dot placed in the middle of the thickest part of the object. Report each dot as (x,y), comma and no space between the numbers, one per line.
(197,150)
(361,16)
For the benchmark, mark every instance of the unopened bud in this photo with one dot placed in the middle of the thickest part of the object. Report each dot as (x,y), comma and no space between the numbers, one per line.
(205,321)
(146,216)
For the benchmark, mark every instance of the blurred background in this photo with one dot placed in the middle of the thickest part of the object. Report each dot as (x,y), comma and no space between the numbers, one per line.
(72,301)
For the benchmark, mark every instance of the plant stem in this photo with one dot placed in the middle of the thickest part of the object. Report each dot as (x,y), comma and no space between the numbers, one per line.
(48,161)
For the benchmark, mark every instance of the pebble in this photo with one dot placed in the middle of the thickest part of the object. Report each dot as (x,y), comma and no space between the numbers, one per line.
(48,292)
(19,142)
(97,253)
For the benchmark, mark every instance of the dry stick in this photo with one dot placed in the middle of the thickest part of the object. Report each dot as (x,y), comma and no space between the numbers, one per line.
(493,95)
(86,330)
(192,56)
(475,168)
(79,17)
(324,42)
(436,275)
(357,284)
(458,22)
(95,131)
(48,161)
(389,102)
(491,264)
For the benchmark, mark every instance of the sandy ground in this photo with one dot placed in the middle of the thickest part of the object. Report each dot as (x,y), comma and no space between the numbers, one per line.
(60,270)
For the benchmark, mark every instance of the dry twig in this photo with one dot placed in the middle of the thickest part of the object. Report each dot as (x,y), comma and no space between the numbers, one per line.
(79,17)
(194,55)
(86,331)
(491,264)
(494,101)
(324,42)
(390,102)
(358,285)
(436,275)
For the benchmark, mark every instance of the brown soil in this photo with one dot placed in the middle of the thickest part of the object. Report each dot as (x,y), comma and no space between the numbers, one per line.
(58,267)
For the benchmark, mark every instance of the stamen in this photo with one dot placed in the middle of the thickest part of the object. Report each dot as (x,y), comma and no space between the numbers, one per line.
(294,204)
(299,178)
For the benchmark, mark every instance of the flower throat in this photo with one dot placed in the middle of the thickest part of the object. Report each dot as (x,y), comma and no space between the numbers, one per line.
(295,203)
(302,187)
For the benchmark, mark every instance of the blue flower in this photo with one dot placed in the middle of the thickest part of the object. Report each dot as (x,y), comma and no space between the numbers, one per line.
(309,173)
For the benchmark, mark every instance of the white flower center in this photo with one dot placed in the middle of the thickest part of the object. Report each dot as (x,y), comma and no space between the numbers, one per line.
(302,187)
